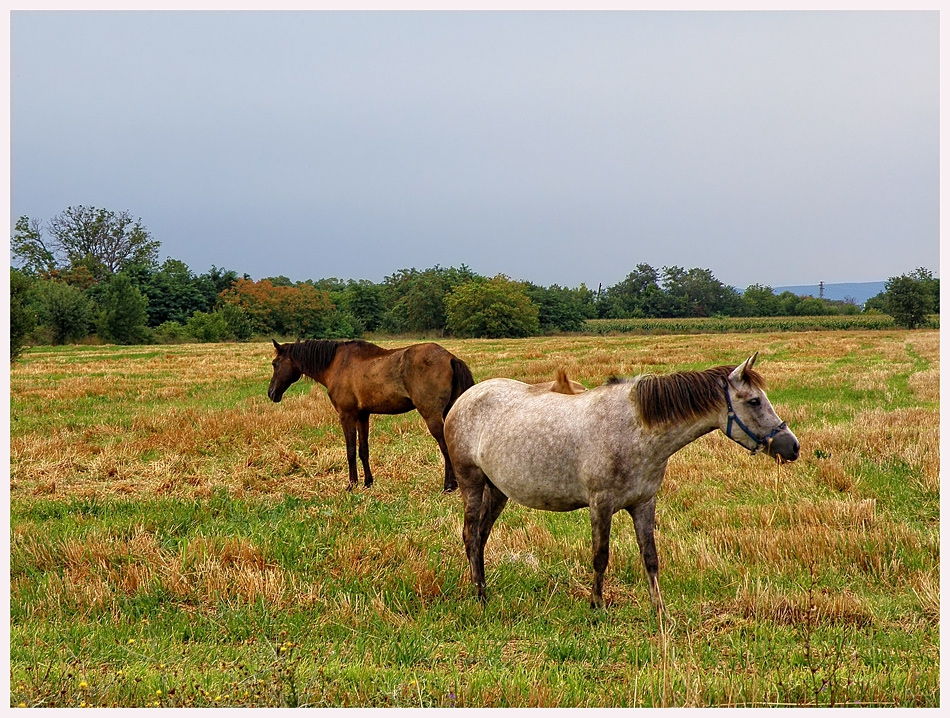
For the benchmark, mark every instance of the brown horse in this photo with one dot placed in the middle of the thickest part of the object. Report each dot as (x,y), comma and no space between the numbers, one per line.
(363,379)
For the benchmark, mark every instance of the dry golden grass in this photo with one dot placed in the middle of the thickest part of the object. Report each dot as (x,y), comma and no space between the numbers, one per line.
(192,422)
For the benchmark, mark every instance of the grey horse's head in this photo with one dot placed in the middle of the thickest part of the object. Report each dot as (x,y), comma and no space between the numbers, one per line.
(749,418)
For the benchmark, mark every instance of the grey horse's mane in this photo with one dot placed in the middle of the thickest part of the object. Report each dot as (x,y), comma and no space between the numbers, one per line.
(682,396)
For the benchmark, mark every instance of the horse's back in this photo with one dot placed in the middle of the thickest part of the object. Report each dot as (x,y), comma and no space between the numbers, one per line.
(539,448)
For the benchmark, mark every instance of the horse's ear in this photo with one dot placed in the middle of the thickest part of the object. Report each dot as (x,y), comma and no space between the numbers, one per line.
(738,374)
(749,362)
(276,345)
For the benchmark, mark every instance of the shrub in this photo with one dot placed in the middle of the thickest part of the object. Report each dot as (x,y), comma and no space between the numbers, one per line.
(63,311)
(22,314)
(170,333)
(494,308)
(206,327)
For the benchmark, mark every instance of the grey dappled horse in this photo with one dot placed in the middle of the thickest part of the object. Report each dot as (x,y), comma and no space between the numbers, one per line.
(606,448)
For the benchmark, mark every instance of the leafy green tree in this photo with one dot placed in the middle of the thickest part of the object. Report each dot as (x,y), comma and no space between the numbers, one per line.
(492,308)
(364,301)
(415,299)
(174,293)
(931,284)
(697,293)
(787,303)
(908,300)
(64,312)
(22,313)
(215,281)
(123,311)
(560,308)
(759,301)
(638,295)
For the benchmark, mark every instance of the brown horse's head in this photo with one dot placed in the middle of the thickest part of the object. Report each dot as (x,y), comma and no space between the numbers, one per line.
(286,372)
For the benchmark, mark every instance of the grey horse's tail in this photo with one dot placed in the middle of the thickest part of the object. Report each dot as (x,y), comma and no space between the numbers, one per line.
(461,380)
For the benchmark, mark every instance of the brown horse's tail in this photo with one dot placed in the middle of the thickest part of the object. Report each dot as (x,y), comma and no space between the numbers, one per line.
(461,380)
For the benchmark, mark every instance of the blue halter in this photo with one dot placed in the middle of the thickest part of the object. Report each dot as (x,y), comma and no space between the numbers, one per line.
(761,442)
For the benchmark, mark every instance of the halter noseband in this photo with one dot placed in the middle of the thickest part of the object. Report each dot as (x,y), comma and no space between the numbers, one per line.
(760,442)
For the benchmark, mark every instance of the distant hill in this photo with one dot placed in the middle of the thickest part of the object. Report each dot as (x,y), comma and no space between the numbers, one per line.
(860,292)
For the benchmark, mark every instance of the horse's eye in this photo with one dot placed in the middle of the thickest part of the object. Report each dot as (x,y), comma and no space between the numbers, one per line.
(754,401)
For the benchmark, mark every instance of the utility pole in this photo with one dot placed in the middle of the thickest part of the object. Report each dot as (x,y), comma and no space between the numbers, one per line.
(821,290)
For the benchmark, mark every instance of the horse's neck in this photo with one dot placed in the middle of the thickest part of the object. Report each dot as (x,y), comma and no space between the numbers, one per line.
(670,439)
(318,371)
(319,376)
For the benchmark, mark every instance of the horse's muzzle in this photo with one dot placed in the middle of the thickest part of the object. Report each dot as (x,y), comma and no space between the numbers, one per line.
(784,446)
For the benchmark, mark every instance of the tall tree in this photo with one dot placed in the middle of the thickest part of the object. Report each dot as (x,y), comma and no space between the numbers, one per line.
(364,301)
(931,284)
(560,308)
(908,300)
(760,301)
(697,293)
(29,248)
(174,293)
(638,295)
(103,241)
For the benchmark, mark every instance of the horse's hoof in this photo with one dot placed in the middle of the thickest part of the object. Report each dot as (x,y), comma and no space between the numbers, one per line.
(449,489)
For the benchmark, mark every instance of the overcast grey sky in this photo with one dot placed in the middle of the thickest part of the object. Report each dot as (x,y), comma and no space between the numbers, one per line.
(771,147)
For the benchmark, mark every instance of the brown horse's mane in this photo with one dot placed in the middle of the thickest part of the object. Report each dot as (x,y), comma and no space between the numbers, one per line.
(315,355)
(683,396)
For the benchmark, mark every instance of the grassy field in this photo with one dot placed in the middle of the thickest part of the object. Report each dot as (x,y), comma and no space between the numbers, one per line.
(179,540)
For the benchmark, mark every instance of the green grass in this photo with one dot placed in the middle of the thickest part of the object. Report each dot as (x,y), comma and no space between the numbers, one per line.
(179,540)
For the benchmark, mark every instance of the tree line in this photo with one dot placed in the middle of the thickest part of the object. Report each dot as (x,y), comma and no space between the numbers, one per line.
(90,271)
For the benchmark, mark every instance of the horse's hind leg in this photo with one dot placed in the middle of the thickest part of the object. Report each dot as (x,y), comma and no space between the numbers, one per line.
(601,516)
(436,427)
(363,425)
(493,502)
(473,497)
(644,516)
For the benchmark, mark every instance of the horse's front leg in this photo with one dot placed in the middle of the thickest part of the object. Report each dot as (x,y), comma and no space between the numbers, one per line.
(601,516)
(644,518)
(363,425)
(349,434)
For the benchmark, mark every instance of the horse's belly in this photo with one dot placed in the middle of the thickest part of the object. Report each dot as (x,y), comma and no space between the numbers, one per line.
(548,488)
